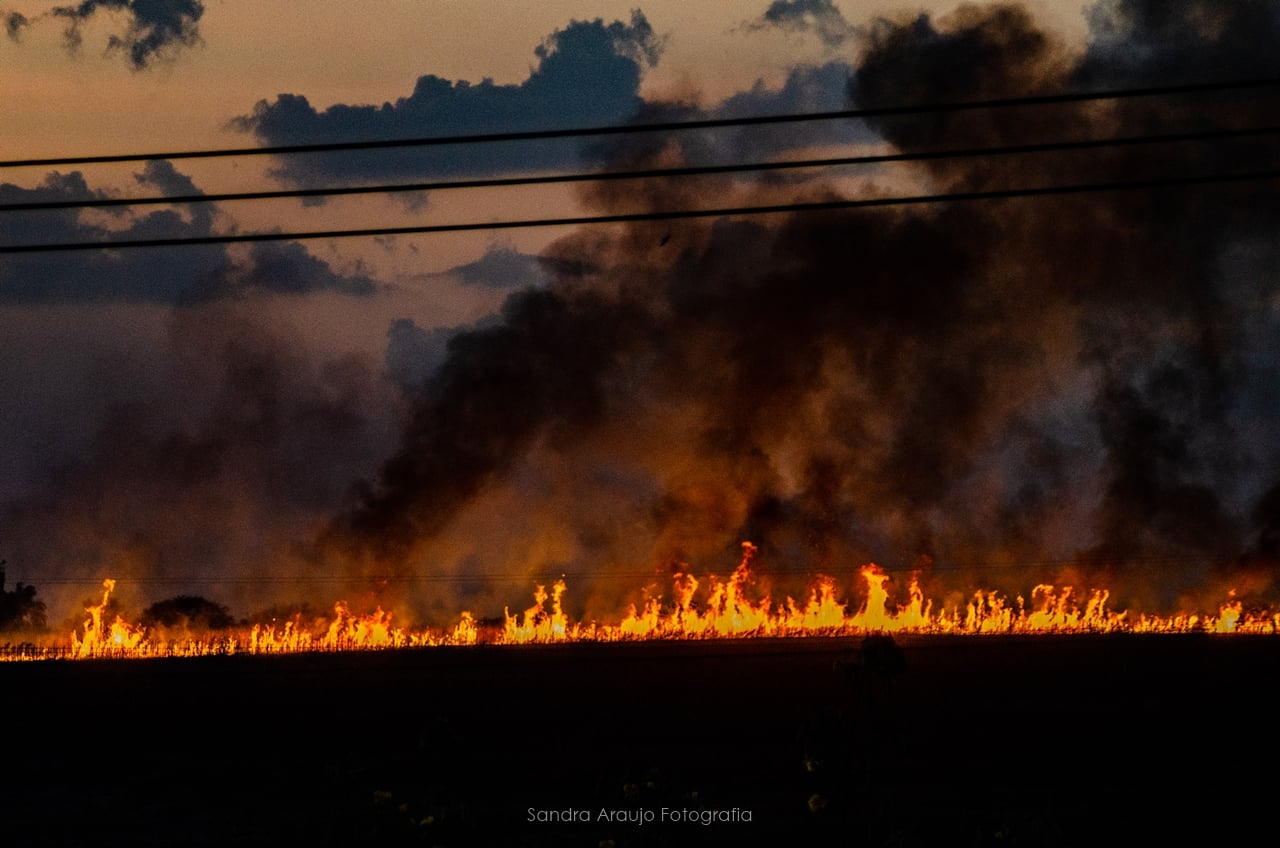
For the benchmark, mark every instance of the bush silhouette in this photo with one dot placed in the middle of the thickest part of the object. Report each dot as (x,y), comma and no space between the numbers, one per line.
(19,609)
(187,611)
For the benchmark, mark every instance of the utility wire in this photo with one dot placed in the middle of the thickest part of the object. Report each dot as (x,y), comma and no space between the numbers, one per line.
(681,214)
(665,126)
(650,173)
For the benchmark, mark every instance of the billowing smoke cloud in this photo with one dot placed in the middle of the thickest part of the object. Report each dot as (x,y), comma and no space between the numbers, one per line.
(154,29)
(973,385)
(820,17)
(588,74)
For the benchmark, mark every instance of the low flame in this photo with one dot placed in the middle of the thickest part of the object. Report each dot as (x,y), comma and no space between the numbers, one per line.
(726,611)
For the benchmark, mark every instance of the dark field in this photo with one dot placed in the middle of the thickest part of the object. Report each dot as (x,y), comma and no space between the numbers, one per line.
(1045,741)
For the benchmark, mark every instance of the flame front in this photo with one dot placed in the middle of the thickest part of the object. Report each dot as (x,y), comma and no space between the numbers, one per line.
(723,610)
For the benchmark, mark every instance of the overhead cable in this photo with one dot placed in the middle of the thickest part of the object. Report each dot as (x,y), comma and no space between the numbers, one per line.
(666,215)
(652,173)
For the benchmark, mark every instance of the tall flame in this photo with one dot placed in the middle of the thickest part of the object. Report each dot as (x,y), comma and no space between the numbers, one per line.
(119,639)
(725,610)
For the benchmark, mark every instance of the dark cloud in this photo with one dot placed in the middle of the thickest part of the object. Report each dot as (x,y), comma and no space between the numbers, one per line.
(975,384)
(141,275)
(15,23)
(181,274)
(154,29)
(820,17)
(587,74)
(502,268)
(284,268)
(808,88)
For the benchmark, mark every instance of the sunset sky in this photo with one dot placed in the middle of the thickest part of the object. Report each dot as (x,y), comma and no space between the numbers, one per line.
(1027,383)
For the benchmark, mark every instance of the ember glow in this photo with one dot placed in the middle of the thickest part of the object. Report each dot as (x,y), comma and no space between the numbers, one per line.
(698,609)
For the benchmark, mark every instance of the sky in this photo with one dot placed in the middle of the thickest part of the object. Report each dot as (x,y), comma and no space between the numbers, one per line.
(973,388)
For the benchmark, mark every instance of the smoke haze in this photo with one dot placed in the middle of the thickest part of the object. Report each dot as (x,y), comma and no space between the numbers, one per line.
(968,385)
(1057,389)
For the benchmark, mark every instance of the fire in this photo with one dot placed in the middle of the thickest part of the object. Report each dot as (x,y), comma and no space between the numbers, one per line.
(699,609)
(538,625)
(120,639)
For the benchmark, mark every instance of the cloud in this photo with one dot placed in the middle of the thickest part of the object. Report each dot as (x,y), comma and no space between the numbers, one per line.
(152,275)
(15,23)
(587,74)
(281,268)
(502,268)
(154,29)
(820,17)
(807,88)
(140,275)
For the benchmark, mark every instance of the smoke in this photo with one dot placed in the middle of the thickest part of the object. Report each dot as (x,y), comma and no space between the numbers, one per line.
(227,440)
(984,387)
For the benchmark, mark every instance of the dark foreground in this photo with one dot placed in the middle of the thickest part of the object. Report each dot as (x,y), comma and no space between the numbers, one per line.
(1050,741)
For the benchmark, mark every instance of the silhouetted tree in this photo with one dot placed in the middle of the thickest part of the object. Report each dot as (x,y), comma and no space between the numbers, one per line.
(19,609)
(190,611)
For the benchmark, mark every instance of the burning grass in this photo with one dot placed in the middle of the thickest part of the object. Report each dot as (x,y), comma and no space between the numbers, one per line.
(699,609)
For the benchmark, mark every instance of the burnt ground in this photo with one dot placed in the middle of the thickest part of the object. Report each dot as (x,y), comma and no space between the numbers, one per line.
(1002,741)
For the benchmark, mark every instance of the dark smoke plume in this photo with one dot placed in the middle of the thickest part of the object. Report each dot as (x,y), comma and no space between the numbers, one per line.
(974,385)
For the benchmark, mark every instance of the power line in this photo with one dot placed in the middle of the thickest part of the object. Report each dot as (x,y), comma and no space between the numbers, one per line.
(662,126)
(649,173)
(634,217)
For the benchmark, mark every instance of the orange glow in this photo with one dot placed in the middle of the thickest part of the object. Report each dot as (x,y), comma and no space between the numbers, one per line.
(700,609)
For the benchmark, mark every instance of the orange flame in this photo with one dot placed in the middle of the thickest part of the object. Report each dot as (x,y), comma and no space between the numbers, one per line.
(726,610)
(120,639)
